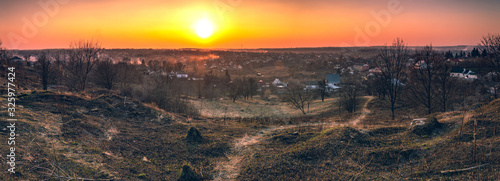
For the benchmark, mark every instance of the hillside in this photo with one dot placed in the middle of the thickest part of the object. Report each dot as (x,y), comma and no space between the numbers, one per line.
(69,136)
(64,136)
(383,153)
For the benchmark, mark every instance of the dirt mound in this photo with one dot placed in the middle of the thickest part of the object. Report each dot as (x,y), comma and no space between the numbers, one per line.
(483,129)
(78,128)
(387,131)
(328,144)
(51,101)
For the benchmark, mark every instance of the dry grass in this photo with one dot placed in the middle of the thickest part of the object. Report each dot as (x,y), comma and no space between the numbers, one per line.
(257,108)
(70,135)
(382,152)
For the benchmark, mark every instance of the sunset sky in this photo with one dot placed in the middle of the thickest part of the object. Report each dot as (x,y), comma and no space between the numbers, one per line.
(40,24)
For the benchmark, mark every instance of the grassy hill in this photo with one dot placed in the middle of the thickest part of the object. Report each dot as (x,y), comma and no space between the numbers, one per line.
(383,153)
(64,136)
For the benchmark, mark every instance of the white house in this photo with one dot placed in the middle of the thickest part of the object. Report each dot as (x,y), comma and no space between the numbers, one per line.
(181,74)
(311,85)
(463,73)
(279,84)
(333,81)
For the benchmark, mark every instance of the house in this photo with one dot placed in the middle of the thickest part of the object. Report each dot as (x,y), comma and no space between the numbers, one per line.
(361,67)
(333,81)
(181,74)
(16,59)
(420,65)
(261,83)
(311,85)
(196,79)
(375,70)
(463,73)
(455,60)
(279,84)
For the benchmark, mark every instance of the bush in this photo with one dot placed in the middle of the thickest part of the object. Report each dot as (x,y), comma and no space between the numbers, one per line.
(194,135)
(170,102)
(188,174)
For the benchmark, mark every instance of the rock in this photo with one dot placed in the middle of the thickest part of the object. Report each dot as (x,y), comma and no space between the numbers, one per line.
(425,126)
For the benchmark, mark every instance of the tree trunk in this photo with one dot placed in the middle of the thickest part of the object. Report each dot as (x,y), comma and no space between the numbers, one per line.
(392,110)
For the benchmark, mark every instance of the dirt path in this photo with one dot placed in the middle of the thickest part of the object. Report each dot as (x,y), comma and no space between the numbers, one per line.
(364,112)
(230,169)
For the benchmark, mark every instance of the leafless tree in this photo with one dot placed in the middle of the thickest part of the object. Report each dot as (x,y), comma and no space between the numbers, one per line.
(248,87)
(4,54)
(392,63)
(59,57)
(27,57)
(82,57)
(234,89)
(322,89)
(252,87)
(377,82)
(106,73)
(154,65)
(349,97)
(446,84)
(45,68)
(491,44)
(298,97)
(423,77)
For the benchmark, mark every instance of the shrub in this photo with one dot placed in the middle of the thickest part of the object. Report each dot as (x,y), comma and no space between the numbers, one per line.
(194,135)
(188,174)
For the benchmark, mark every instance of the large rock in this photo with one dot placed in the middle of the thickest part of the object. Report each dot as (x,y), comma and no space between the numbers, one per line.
(425,126)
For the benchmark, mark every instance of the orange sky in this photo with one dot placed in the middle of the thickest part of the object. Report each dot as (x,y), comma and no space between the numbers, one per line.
(39,24)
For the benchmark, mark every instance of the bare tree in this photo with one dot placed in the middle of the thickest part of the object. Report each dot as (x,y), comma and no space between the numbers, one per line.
(252,87)
(322,89)
(82,57)
(378,83)
(392,63)
(59,57)
(106,73)
(491,45)
(424,75)
(298,97)
(349,97)
(234,89)
(27,57)
(447,84)
(45,69)
(4,54)
(247,87)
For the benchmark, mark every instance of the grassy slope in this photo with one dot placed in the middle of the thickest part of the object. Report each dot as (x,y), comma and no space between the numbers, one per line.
(383,153)
(109,137)
(257,108)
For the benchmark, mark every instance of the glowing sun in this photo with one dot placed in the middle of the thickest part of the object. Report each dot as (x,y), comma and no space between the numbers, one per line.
(204,28)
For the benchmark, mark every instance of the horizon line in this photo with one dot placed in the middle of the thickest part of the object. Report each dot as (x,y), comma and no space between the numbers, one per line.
(276,48)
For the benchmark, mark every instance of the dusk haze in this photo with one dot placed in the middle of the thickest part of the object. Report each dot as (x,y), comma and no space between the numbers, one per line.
(33,24)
